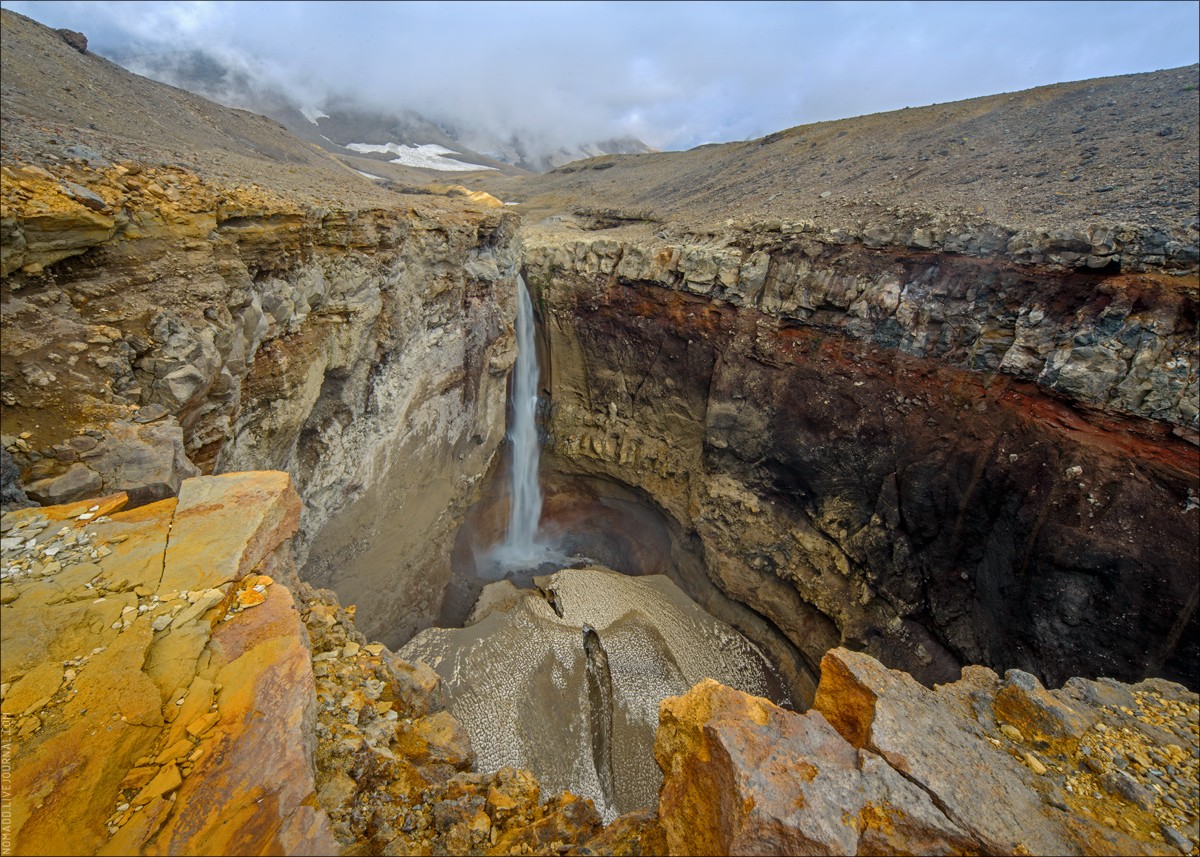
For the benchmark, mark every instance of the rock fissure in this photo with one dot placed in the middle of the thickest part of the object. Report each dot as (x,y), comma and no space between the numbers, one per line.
(600,711)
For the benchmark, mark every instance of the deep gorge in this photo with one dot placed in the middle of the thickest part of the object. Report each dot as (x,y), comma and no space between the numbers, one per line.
(936,459)
(853,492)
(955,444)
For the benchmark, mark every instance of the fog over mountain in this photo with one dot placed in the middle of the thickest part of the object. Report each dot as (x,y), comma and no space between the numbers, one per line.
(673,75)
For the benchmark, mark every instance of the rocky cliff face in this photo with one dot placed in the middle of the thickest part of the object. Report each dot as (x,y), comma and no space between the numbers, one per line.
(329,344)
(942,459)
(887,416)
(220,296)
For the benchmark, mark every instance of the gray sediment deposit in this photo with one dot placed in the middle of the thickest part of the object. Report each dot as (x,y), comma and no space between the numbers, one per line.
(566,681)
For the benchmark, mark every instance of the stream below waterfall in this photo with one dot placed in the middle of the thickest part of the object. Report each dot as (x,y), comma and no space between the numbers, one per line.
(563,628)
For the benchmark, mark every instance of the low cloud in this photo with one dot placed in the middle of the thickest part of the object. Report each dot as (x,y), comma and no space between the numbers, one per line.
(672,74)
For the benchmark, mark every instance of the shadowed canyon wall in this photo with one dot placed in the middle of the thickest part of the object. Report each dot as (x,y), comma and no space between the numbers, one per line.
(940,442)
(940,459)
(365,352)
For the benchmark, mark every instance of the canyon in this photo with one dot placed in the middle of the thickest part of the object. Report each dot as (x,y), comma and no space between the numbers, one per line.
(932,446)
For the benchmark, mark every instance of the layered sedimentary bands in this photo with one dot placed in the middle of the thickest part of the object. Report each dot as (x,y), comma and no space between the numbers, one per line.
(892,438)
(938,459)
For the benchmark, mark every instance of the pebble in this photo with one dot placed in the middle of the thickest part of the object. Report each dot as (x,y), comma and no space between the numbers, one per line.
(1034,764)
(22,555)
(1177,839)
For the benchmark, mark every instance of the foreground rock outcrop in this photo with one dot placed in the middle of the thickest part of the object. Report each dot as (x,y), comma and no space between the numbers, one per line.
(883,765)
(169,686)
(157,682)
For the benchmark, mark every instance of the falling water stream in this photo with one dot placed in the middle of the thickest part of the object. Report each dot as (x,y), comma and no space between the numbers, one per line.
(563,672)
(526,506)
(521,549)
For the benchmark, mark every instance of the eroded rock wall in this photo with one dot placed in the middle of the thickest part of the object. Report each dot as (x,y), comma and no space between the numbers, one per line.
(940,459)
(211,329)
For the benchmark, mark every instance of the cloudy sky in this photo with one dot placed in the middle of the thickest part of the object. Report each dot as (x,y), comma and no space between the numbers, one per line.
(672,74)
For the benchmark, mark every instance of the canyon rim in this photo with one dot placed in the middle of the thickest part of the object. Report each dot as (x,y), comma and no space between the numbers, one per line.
(907,405)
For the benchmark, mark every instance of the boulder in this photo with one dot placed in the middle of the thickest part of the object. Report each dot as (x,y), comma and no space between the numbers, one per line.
(142,737)
(75,39)
(79,481)
(742,776)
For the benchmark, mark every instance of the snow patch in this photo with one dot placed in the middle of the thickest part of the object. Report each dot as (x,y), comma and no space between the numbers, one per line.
(312,114)
(369,175)
(428,157)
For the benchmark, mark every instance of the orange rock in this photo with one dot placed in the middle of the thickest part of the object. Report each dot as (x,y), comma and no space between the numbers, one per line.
(203,723)
(252,791)
(250,598)
(742,776)
(105,506)
(137,778)
(847,703)
(165,781)
(176,751)
(225,525)
(1025,705)
(250,787)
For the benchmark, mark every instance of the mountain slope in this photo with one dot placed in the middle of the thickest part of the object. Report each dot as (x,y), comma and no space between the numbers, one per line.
(55,98)
(338,120)
(1120,149)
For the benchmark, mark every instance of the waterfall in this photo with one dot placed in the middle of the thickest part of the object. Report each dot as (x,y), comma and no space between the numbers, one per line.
(523,553)
(526,497)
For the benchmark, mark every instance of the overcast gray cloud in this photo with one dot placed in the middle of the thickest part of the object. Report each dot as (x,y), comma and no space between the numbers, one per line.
(673,74)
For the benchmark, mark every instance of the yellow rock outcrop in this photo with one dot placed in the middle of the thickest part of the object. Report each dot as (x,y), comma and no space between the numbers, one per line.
(149,711)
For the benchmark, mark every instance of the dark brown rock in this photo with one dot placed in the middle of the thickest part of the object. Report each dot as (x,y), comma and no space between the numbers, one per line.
(75,39)
(932,514)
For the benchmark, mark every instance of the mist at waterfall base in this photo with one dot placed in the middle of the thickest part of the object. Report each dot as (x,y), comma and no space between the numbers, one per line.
(529,523)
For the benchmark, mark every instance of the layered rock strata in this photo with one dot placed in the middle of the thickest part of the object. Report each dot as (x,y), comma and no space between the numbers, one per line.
(364,352)
(941,459)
